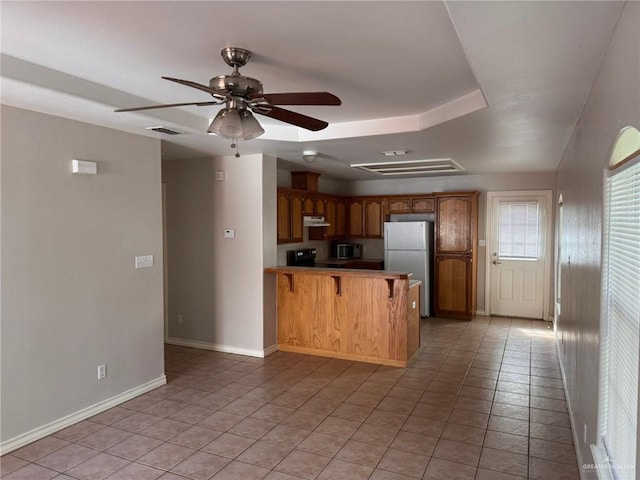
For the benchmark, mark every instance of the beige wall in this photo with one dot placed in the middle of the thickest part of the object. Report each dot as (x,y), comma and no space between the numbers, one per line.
(190,231)
(71,298)
(217,284)
(614,102)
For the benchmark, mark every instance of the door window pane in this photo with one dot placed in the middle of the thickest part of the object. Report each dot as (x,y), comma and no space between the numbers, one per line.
(519,230)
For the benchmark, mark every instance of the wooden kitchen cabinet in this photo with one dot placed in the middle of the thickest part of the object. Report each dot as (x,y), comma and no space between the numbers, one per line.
(453,293)
(365,217)
(423,204)
(326,207)
(297,214)
(284,216)
(290,210)
(399,205)
(417,204)
(355,218)
(341,218)
(330,216)
(314,205)
(456,223)
(374,218)
(456,246)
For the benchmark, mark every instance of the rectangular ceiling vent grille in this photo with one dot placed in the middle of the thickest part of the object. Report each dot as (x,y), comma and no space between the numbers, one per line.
(166,130)
(412,167)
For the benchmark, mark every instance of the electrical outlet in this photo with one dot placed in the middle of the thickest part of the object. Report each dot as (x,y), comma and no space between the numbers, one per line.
(179,319)
(102,371)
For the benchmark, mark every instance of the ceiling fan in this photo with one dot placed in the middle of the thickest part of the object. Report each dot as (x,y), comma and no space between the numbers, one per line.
(243,95)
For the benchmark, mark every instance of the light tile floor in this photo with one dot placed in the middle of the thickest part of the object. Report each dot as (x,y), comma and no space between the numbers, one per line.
(482,401)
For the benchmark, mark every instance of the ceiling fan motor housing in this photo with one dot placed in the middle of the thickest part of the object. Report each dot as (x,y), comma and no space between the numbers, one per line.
(236,85)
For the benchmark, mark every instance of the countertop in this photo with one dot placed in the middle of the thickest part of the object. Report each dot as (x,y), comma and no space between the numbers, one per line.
(338,271)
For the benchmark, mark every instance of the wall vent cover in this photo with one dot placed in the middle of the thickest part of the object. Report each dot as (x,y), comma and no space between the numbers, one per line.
(412,167)
(166,130)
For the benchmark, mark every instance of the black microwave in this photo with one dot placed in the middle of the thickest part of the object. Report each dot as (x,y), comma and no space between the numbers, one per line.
(345,251)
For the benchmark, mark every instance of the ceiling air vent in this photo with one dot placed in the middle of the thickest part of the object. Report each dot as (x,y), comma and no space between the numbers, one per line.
(166,130)
(412,167)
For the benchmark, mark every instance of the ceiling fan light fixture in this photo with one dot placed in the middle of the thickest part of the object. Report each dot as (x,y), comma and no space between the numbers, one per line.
(215,125)
(231,125)
(251,128)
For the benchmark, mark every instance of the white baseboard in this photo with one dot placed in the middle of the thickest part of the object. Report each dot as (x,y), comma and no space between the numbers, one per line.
(574,432)
(221,348)
(481,313)
(68,420)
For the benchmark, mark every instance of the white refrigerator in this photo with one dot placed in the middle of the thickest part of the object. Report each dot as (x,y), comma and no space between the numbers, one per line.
(408,248)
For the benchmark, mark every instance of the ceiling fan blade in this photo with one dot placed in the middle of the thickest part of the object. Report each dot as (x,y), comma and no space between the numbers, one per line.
(166,105)
(293,118)
(302,98)
(199,86)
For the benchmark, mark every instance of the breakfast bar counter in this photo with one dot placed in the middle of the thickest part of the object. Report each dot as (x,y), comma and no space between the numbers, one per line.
(364,315)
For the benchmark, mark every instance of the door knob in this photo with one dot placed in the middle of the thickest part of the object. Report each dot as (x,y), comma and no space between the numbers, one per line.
(496,262)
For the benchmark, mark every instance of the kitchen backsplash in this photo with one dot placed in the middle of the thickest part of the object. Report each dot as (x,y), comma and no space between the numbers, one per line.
(372,248)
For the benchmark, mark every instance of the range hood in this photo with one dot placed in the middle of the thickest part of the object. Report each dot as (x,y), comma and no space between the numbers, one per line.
(315,221)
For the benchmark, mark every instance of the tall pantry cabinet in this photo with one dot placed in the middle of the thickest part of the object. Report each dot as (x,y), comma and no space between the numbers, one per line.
(456,252)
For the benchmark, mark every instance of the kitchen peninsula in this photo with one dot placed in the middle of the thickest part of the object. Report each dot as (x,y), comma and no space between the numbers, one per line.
(365,315)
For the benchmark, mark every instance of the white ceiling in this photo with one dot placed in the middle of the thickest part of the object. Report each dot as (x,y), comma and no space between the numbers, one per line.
(496,86)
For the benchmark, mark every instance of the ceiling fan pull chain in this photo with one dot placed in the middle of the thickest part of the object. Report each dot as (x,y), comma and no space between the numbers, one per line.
(234,144)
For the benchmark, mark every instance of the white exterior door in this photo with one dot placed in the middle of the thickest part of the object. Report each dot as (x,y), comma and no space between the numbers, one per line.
(518,255)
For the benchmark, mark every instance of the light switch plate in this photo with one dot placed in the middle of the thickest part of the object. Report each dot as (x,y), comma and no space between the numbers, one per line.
(229,233)
(144,261)
(482,243)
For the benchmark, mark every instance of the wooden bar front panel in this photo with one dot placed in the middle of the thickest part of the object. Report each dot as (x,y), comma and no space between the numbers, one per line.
(351,316)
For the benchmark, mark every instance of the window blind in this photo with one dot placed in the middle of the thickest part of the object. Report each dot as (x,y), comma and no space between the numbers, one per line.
(519,230)
(621,344)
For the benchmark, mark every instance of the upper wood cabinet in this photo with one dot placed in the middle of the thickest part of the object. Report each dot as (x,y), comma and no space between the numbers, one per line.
(309,205)
(326,207)
(374,217)
(297,212)
(456,223)
(290,207)
(412,204)
(330,217)
(355,218)
(423,204)
(314,205)
(307,181)
(284,216)
(341,218)
(399,205)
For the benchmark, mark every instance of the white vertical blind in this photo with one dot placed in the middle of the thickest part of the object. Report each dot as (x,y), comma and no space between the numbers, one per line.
(621,344)
(519,230)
